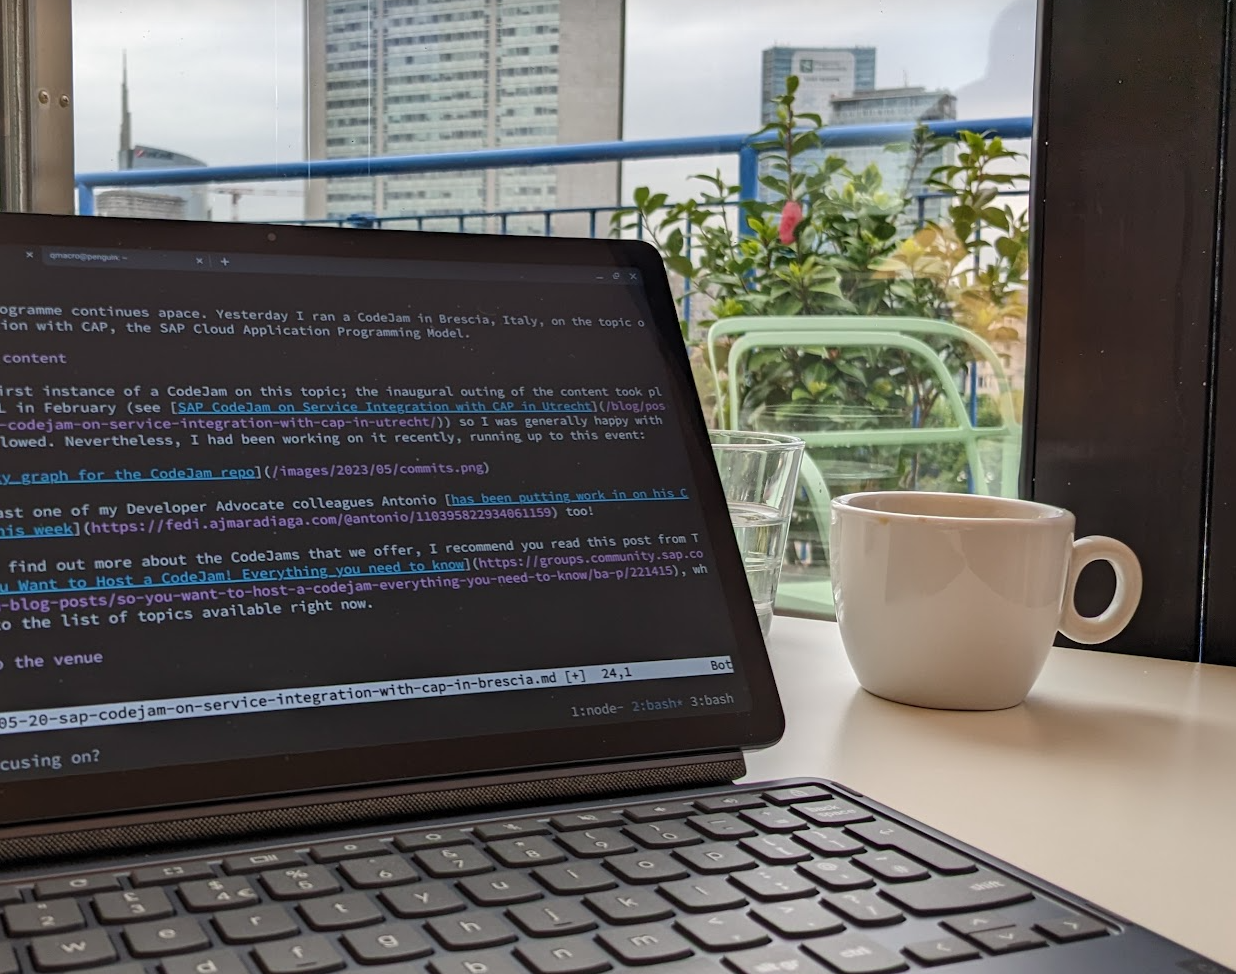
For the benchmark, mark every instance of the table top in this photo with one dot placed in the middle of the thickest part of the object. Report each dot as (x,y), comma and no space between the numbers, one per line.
(1116,779)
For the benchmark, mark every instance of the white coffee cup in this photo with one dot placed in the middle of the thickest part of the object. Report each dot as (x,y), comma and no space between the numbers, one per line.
(953,600)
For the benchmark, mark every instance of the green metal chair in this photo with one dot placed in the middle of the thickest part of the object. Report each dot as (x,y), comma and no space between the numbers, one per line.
(748,335)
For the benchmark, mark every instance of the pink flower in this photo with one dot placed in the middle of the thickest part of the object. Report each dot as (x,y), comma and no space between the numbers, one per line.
(791,217)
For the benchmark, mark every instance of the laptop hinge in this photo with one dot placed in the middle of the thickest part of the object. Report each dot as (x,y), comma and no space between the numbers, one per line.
(268,818)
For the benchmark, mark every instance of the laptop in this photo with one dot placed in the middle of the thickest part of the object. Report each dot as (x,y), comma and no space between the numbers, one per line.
(369,601)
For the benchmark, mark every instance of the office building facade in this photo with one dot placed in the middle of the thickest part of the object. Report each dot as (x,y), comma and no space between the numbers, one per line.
(412,77)
(888,105)
(823,73)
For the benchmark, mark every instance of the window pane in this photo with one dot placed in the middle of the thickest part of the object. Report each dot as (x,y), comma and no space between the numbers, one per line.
(905,270)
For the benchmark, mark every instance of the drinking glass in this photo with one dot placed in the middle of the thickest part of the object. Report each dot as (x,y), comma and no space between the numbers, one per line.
(759,472)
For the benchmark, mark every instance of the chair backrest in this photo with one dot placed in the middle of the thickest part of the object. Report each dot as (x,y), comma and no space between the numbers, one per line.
(904,334)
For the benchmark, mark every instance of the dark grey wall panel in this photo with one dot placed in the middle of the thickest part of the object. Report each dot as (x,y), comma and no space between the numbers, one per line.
(1125,194)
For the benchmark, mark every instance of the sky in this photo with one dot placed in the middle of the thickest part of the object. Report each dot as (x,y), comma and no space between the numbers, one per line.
(222,80)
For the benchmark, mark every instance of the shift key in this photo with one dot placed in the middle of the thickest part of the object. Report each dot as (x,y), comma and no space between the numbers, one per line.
(886,835)
(956,894)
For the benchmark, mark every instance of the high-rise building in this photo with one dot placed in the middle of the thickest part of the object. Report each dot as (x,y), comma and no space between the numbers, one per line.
(823,73)
(886,105)
(407,77)
(190,202)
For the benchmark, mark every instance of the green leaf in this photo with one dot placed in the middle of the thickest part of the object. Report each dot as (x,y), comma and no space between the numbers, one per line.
(680,265)
(640,195)
(1008,248)
(996,217)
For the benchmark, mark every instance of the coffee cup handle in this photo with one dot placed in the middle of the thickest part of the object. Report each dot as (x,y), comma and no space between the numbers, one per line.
(1112,620)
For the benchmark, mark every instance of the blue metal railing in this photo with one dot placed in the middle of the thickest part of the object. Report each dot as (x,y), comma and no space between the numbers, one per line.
(747,147)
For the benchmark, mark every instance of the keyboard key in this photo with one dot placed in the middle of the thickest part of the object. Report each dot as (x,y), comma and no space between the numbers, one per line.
(69,951)
(1008,940)
(8,960)
(340,912)
(553,918)
(946,950)
(506,830)
(830,842)
(313,954)
(379,871)
(646,867)
(775,850)
(774,883)
(256,924)
(659,813)
(798,919)
(863,907)
(773,959)
(597,842)
(703,894)
(584,877)
(574,956)
(454,860)
(174,873)
(721,826)
(629,906)
(716,857)
(729,803)
(478,962)
(133,904)
(207,962)
(300,882)
(9,894)
(501,889)
(351,849)
(662,835)
(891,866)
(534,851)
(387,943)
(468,931)
(723,931)
(774,819)
(50,889)
(837,874)
(160,938)
(651,944)
(976,922)
(886,835)
(25,919)
(585,820)
(798,793)
(833,813)
(411,841)
(422,900)
(852,953)
(217,894)
(957,894)
(1066,929)
(256,862)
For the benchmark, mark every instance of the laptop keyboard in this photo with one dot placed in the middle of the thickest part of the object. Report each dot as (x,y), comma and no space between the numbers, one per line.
(789,881)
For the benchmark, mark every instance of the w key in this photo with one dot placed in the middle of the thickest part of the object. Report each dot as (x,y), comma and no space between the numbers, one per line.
(67,952)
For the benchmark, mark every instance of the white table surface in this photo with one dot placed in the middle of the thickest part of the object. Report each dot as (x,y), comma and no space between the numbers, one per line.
(1116,779)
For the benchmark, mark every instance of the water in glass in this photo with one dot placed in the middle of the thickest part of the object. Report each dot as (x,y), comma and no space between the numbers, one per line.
(760,531)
